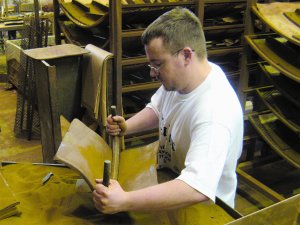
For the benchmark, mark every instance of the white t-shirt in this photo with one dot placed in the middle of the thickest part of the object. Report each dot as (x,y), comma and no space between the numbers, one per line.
(201,135)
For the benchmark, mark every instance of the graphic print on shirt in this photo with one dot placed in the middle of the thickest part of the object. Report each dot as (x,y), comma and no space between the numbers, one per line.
(167,146)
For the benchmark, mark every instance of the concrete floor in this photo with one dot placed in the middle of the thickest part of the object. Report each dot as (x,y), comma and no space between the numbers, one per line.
(11,147)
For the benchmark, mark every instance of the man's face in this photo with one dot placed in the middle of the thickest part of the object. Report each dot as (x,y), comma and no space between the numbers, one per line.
(165,67)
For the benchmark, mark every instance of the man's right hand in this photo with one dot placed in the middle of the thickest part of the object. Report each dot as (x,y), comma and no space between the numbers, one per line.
(116,125)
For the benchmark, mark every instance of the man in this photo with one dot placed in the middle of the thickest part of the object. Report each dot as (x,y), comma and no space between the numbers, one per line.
(199,118)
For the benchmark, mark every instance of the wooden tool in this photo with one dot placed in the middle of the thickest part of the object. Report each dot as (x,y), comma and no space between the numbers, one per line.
(115,149)
(106,173)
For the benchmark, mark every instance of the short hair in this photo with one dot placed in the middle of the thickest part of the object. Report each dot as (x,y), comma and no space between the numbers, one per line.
(178,28)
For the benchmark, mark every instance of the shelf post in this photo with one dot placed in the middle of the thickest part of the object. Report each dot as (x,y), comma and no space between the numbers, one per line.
(115,23)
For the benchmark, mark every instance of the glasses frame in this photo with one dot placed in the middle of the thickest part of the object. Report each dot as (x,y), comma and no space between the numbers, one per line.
(156,69)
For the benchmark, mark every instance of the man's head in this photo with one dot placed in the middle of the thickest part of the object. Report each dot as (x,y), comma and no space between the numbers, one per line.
(177,28)
(175,47)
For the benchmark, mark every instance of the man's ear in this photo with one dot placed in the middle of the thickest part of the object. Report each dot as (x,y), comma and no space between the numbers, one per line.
(187,52)
(185,56)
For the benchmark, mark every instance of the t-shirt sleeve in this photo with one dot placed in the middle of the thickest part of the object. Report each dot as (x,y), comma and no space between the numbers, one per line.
(205,158)
(155,102)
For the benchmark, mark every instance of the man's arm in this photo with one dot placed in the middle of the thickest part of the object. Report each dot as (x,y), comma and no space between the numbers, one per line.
(144,120)
(169,195)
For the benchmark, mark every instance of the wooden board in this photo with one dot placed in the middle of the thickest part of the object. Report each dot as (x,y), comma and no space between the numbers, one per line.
(85,151)
(87,13)
(260,47)
(272,14)
(54,52)
(285,212)
(278,143)
(294,17)
(286,112)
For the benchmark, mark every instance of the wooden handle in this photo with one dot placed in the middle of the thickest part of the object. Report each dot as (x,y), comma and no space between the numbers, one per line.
(106,173)
(113,110)
(116,149)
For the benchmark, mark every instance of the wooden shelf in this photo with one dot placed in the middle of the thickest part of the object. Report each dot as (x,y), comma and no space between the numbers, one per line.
(91,15)
(141,87)
(261,48)
(224,27)
(223,1)
(132,33)
(139,32)
(279,143)
(210,52)
(284,110)
(151,134)
(134,60)
(287,87)
(250,137)
(272,15)
(161,4)
(272,117)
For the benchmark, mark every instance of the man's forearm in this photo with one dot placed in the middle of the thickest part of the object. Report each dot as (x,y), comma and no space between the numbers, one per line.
(169,195)
(144,120)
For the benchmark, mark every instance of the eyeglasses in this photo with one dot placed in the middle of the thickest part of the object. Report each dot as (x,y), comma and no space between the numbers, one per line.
(156,69)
